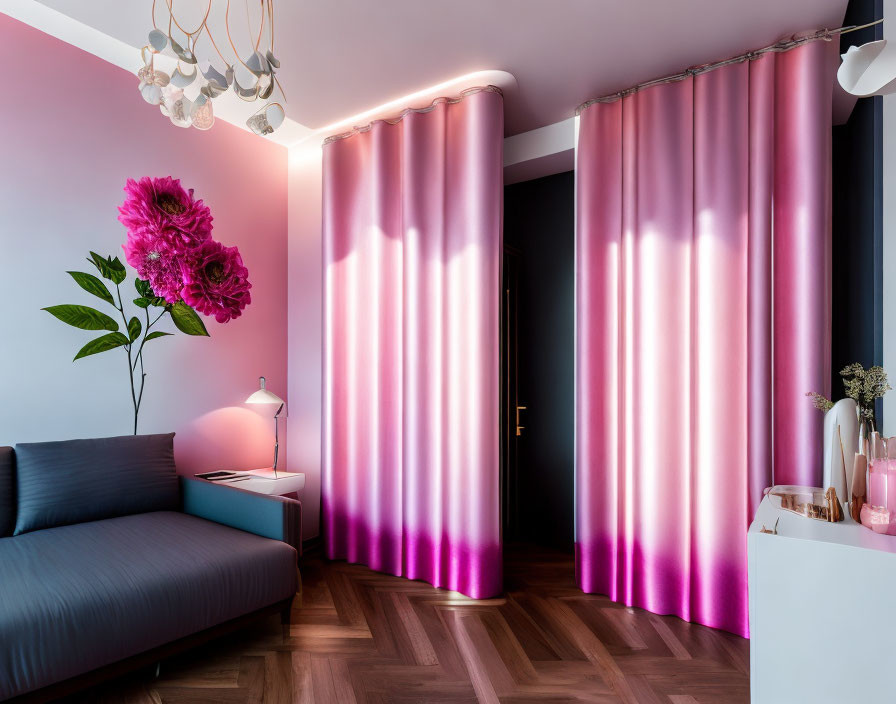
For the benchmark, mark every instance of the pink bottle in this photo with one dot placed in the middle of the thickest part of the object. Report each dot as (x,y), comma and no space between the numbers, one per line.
(880,515)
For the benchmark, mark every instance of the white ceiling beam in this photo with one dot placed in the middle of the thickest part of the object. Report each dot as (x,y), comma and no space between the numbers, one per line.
(541,152)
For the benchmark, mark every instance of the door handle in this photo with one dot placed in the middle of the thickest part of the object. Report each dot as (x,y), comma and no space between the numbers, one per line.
(519,427)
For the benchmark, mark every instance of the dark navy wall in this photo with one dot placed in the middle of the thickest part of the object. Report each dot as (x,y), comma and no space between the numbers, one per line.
(539,222)
(857,263)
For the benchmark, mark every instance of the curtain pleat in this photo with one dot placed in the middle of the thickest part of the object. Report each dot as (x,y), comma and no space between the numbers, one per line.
(703,233)
(802,250)
(412,260)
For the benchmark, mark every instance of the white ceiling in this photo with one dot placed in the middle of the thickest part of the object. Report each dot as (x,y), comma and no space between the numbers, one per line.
(342,57)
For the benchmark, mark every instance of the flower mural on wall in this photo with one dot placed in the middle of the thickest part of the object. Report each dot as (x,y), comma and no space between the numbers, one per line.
(215,282)
(180,270)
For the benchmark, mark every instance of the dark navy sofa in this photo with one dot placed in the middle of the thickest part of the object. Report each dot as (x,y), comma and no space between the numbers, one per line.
(107,556)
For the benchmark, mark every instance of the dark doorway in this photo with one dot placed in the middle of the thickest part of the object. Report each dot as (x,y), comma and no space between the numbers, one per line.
(857,238)
(538,353)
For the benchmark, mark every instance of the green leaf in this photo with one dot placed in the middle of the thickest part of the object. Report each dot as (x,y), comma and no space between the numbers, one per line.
(102,344)
(101,264)
(144,302)
(82,317)
(119,273)
(110,268)
(186,320)
(156,334)
(147,294)
(93,285)
(134,329)
(143,288)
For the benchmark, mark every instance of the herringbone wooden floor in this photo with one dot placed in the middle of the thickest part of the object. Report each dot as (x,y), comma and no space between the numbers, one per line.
(365,637)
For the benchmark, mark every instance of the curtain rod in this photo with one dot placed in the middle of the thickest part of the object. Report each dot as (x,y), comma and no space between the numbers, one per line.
(784,45)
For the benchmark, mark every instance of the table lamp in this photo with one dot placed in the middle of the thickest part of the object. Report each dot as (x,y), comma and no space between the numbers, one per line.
(266,397)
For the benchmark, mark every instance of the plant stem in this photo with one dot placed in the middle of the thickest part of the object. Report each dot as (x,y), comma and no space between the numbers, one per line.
(142,385)
(130,361)
(139,357)
(146,332)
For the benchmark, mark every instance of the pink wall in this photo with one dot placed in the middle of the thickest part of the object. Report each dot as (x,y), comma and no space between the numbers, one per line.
(74,128)
(305,325)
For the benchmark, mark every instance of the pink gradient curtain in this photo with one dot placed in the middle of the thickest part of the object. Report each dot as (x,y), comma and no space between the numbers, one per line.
(703,240)
(412,262)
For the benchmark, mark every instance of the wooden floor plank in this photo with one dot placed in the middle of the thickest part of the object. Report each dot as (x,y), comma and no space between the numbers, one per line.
(360,637)
(303,692)
(422,649)
(479,674)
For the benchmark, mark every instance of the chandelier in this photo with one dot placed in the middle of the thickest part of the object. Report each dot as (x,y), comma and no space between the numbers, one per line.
(187,94)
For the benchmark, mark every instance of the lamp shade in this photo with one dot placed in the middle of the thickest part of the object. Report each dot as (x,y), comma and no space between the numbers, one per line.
(869,69)
(263,395)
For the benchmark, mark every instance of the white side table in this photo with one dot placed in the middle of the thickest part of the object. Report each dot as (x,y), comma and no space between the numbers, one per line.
(821,610)
(262,481)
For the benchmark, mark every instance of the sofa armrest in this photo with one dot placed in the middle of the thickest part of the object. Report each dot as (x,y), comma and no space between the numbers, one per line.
(273,517)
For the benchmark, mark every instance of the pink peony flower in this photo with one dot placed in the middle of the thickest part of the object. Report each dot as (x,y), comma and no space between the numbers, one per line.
(160,207)
(165,224)
(215,281)
(157,262)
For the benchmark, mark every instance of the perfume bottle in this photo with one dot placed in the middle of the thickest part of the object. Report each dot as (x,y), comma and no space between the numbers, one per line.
(881,505)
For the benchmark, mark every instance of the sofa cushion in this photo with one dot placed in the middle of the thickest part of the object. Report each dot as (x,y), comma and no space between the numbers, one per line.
(78,597)
(72,481)
(7,492)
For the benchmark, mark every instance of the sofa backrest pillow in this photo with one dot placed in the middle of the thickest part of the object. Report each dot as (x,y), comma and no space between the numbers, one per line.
(7,492)
(75,481)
